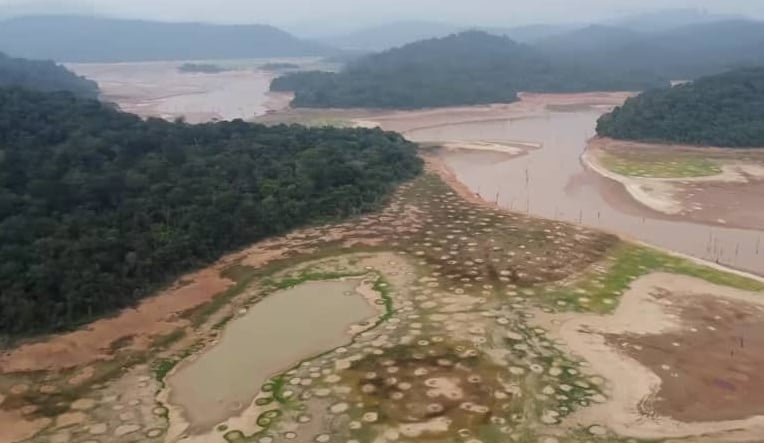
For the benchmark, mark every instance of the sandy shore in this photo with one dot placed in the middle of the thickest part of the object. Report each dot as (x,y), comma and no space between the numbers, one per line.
(732,197)
(530,105)
(634,388)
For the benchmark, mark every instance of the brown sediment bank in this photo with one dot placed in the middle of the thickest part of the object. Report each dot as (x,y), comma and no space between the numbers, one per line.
(734,197)
(134,327)
(672,352)
(711,369)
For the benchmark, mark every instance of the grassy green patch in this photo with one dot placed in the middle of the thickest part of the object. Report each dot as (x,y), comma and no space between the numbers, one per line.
(163,367)
(238,272)
(628,262)
(164,341)
(309,275)
(654,166)
(382,287)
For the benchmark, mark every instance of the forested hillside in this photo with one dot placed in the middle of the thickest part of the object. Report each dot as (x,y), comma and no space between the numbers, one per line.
(463,69)
(43,76)
(721,110)
(98,208)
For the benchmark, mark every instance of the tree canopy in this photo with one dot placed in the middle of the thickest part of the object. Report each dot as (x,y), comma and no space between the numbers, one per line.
(98,207)
(462,69)
(43,76)
(720,110)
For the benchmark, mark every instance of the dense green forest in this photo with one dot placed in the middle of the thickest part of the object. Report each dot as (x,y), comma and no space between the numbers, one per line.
(720,110)
(462,69)
(98,207)
(43,76)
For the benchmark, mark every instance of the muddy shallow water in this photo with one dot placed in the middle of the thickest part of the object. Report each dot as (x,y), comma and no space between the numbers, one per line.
(278,332)
(552,182)
(158,89)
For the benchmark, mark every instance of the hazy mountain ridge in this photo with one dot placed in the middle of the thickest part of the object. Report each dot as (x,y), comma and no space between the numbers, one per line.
(462,69)
(666,20)
(681,53)
(43,76)
(92,39)
(397,34)
(589,39)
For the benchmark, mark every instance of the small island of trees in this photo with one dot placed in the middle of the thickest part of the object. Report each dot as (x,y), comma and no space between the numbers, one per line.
(201,68)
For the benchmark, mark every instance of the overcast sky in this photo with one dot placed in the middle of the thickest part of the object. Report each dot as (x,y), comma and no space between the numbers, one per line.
(345,14)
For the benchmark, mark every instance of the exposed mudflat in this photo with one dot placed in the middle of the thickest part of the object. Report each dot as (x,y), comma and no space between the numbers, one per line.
(456,346)
(473,323)
(158,89)
(553,181)
(733,195)
(681,355)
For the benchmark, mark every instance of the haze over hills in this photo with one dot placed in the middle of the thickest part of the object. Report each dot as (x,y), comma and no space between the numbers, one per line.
(721,110)
(681,53)
(396,34)
(45,76)
(667,19)
(89,39)
(589,39)
(462,69)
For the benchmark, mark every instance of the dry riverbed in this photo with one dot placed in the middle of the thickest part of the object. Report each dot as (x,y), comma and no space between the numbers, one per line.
(159,89)
(705,185)
(442,317)
(446,328)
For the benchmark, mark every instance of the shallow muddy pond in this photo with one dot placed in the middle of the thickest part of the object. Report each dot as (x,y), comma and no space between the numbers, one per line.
(280,331)
(552,182)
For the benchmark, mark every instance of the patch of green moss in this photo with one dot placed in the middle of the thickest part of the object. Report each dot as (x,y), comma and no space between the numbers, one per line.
(654,166)
(627,263)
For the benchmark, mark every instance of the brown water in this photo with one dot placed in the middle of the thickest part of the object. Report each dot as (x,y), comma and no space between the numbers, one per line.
(158,89)
(552,182)
(277,333)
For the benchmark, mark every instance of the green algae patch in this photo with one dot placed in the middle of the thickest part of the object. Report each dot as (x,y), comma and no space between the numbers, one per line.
(654,165)
(599,289)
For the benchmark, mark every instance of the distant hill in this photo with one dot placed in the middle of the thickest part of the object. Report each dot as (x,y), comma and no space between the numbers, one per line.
(530,33)
(89,39)
(721,110)
(392,35)
(661,21)
(593,38)
(695,50)
(682,53)
(462,69)
(43,76)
